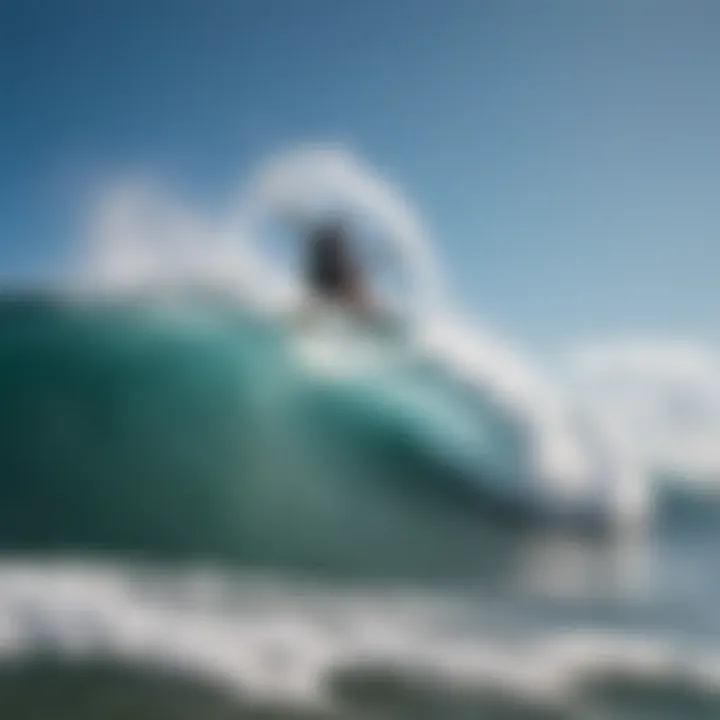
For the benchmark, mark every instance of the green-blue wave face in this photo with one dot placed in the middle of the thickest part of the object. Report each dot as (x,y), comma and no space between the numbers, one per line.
(195,430)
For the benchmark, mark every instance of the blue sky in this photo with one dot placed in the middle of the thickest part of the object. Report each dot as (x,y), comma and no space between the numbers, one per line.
(565,154)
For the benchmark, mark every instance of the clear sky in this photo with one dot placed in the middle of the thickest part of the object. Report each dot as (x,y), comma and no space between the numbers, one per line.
(565,154)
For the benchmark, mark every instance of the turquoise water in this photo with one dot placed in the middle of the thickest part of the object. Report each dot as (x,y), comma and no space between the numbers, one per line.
(200,524)
(173,431)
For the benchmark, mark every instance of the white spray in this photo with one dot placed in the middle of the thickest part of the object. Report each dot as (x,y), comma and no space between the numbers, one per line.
(141,238)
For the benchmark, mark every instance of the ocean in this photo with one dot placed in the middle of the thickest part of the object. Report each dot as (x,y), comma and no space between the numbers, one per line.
(195,522)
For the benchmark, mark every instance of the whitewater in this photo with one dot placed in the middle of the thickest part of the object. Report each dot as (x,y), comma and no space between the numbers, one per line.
(209,512)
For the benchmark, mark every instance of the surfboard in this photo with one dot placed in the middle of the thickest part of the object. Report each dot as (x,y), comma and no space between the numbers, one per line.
(333,343)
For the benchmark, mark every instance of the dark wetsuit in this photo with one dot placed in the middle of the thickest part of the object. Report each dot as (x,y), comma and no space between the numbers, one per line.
(332,272)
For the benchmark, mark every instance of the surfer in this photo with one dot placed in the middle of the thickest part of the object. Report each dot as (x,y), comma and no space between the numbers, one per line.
(333,273)
(334,279)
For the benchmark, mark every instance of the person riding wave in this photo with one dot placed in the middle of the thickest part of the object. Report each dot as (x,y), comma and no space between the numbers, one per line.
(333,273)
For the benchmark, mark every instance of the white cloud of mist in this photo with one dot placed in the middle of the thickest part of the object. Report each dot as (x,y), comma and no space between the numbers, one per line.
(663,397)
(140,236)
(327,179)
